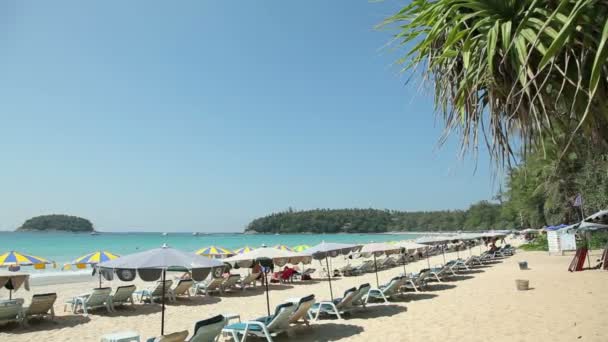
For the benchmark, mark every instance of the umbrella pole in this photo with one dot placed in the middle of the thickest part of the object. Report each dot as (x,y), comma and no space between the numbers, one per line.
(267,297)
(376,270)
(428,260)
(162,312)
(331,292)
(443,252)
(403,257)
(100,279)
(10,294)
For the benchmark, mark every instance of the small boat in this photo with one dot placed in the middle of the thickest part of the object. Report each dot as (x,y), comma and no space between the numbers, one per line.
(195,234)
(165,234)
(94,233)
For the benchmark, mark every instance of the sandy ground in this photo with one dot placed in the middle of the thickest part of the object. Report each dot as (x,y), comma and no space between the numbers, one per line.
(480,305)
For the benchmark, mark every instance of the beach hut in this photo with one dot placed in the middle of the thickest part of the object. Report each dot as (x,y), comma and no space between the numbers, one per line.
(153,264)
(561,239)
(326,250)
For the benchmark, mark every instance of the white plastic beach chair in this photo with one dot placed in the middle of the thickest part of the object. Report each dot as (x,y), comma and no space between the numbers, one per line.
(182,288)
(385,291)
(265,327)
(41,306)
(209,286)
(301,311)
(248,281)
(122,295)
(11,311)
(359,298)
(337,307)
(99,298)
(156,292)
(209,329)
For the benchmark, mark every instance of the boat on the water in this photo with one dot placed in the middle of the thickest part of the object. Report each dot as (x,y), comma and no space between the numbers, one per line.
(165,234)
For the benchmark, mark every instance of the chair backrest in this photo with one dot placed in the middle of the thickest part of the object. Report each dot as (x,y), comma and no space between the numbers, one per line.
(231,280)
(99,296)
(393,286)
(280,319)
(183,286)
(347,299)
(302,308)
(158,288)
(361,292)
(123,293)
(309,271)
(208,329)
(41,303)
(214,283)
(250,278)
(174,337)
(10,310)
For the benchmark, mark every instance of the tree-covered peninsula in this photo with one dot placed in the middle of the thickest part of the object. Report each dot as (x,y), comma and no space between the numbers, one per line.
(64,223)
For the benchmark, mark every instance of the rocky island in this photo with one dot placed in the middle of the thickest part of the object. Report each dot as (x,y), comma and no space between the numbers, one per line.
(57,223)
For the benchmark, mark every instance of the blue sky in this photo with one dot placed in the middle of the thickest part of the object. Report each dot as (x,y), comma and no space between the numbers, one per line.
(202,115)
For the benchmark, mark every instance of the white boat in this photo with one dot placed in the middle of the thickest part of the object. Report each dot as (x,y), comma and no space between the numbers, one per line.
(165,234)
(195,234)
(94,233)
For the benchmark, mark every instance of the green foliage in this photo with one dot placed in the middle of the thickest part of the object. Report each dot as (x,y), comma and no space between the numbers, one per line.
(540,243)
(57,223)
(510,71)
(481,216)
(598,240)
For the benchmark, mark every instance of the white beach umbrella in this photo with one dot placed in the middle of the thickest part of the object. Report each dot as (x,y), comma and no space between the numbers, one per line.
(377,249)
(153,264)
(13,281)
(326,250)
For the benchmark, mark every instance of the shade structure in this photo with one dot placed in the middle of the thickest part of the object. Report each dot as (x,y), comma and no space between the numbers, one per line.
(267,256)
(14,258)
(243,250)
(283,248)
(411,246)
(153,264)
(215,252)
(300,248)
(326,250)
(375,250)
(13,281)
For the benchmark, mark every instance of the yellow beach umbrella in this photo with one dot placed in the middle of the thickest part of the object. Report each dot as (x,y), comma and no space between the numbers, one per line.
(300,248)
(215,252)
(283,248)
(242,250)
(15,259)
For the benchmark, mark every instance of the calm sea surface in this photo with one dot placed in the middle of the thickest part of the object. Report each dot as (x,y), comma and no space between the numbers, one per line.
(64,247)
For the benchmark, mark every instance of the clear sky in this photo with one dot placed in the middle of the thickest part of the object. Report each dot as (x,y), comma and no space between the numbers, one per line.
(202,115)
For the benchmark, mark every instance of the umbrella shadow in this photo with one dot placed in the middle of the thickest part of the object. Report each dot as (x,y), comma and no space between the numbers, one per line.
(416,296)
(459,278)
(322,332)
(380,310)
(136,310)
(40,324)
(195,300)
(439,287)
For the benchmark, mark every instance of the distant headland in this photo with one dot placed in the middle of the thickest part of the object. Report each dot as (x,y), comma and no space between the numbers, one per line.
(57,223)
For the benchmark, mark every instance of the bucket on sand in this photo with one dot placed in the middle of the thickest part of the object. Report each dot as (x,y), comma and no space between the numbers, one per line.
(522,285)
(523,265)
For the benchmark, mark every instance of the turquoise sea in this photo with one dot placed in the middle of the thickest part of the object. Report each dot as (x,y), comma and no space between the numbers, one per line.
(64,247)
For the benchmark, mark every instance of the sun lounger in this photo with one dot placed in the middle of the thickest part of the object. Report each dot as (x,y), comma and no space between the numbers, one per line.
(385,291)
(230,282)
(209,329)
(99,298)
(388,262)
(417,281)
(265,327)
(301,311)
(346,270)
(182,288)
(248,281)
(11,311)
(174,337)
(307,274)
(359,297)
(156,292)
(122,295)
(337,307)
(41,306)
(208,286)
(366,266)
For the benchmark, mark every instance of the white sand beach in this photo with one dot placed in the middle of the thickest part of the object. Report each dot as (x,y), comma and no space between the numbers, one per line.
(479,305)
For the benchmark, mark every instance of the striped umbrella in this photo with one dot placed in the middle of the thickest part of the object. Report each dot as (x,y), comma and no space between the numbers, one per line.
(242,250)
(300,248)
(95,258)
(283,248)
(215,252)
(13,258)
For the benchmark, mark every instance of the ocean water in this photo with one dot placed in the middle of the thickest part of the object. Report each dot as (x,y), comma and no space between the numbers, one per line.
(65,247)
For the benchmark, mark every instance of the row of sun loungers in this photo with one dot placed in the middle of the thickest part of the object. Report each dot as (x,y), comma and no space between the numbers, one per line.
(41,306)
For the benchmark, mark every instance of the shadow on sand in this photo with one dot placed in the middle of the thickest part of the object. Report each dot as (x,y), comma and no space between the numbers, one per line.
(322,332)
(36,324)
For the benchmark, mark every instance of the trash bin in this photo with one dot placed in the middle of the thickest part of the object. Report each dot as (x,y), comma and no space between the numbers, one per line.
(522,285)
(523,265)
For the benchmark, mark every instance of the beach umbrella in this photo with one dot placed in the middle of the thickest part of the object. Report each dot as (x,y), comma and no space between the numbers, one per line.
(410,247)
(267,256)
(300,248)
(326,250)
(242,250)
(153,264)
(16,259)
(94,259)
(215,252)
(378,249)
(13,281)
(283,248)
(435,240)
